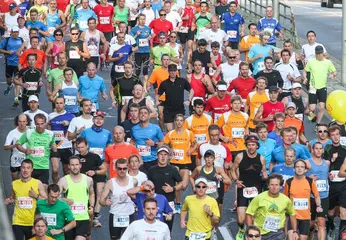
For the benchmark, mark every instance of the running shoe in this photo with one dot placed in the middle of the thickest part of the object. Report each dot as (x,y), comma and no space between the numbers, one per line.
(240,235)
(8,89)
(16,103)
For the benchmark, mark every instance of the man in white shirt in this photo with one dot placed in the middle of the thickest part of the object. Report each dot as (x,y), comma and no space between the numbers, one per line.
(308,50)
(134,6)
(33,111)
(215,34)
(172,16)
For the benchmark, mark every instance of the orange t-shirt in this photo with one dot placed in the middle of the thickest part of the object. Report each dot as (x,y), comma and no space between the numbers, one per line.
(180,143)
(41,58)
(294,122)
(114,152)
(158,76)
(300,194)
(254,100)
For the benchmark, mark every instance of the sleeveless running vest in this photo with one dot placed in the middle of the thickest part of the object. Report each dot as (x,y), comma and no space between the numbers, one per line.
(70,93)
(142,103)
(79,193)
(212,182)
(250,170)
(93,42)
(122,204)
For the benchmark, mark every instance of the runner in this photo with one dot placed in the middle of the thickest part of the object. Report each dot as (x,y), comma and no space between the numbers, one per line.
(279,119)
(229,69)
(248,41)
(34,110)
(266,145)
(135,162)
(161,48)
(202,19)
(55,20)
(202,54)
(121,14)
(220,103)
(40,227)
(55,46)
(322,135)
(159,25)
(82,15)
(215,34)
(247,170)
(133,115)
(292,121)
(10,18)
(187,29)
(301,102)
(105,13)
(273,76)
(148,11)
(286,169)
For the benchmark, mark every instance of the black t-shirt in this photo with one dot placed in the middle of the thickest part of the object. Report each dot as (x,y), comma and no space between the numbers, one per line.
(162,175)
(219,10)
(127,125)
(90,161)
(203,57)
(274,78)
(30,76)
(125,85)
(174,93)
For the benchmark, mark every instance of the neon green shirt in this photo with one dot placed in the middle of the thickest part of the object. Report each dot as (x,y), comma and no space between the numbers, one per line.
(319,71)
(157,52)
(57,76)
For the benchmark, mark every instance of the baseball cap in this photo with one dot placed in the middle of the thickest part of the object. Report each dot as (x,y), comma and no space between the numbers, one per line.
(221,86)
(296,85)
(291,105)
(319,49)
(273,88)
(14,29)
(201,179)
(163,148)
(172,68)
(99,114)
(209,153)
(12,6)
(33,98)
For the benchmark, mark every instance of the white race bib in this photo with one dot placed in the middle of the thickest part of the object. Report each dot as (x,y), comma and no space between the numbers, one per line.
(250,192)
(74,55)
(25,202)
(98,151)
(299,116)
(172,205)
(343,141)
(271,223)
(300,203)
(83,24)
(260,66)
(143,42)
(104,20)
(197,236)
(203,29)
(232,34)
(56,61)
(93,107)
(37,151)
(119,68)
(78,208)
(121,221)
(335,177)
(212,71)
(17,159)
(237,132)
(59,135)
(178,154)
(201,138)
(183,29)
(322,185)
(211,187)
(125,99)
(70,100)
(50,218)
(32,86)
(144,150)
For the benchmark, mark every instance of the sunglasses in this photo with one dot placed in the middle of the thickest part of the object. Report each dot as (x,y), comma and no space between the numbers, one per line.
(122,169)
(324,131)
(58,34)
(203,187)
(231,57)
(173,36)
(74,34)
(253,235)
(163,14)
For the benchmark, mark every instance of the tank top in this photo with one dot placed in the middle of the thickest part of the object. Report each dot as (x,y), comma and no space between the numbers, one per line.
(142,103)
(212,182)
(300,104)
(93,42)
(52,20)
(250,170)
(70,93)
(272,108)
(10,21)
(321,171)
(176,49)
(79,193)
(74,57)
(55,51)
(122,204)
(191,13)
(25,206)
(198,87)
(121,16)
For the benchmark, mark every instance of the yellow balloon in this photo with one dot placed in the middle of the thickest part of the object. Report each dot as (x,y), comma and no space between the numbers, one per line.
(336,105)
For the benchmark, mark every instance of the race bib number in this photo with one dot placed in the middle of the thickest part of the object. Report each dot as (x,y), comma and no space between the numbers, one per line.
(232,34)
(211,188)
(70,100)
(119,68)
(83,24)
(78,208)
(197,235)
(299,116)
(37,151)
(98,151)
(104,20)
(260,66)
(93,107)
(25,202)
(201,138)
(143,42)
(144,150)
(178,154)
(32,86)
(50,218)
(334,176)
(343,141)
(212,71)
(74,55)
(17,159)
(203,29)
(59,135)
(183,29)
(250,192)
(271,223)
(322,185)
(217,116)
(237,132)
(301,203)
(121,221)
(51,30)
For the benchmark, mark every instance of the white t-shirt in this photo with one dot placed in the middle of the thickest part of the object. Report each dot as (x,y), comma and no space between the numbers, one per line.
(309,50)
(210,36)
(141,177)
(79,122)
(24,34)
(128,39)
(133,4)
(32,116)
(229,72)
(286,69)
(141,230)
(174,18)
(16,156)
(149,15)
(221,153)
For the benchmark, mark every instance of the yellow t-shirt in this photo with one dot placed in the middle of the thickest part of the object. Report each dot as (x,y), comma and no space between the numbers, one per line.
(247,42)
(25,206)
(180,144)
(47,238)
(198,220)
(254,100)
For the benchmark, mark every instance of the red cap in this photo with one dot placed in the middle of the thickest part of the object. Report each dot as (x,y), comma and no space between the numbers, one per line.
(99,114)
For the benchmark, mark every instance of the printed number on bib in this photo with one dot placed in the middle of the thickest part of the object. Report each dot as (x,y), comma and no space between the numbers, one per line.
(300,203)
(74,55)
(17,159)
(334,176)
(98,151)
(211,187)
(70,100)
(232,34)
(59,135)
(144,150)
(32,86)
(37,151)
(51,30)
(200,138)
(119,68)
(197,235)
(83,24)
(104,20)
(78,208)
(50,218)
(203,29)
(56,62)
(343,141)
(121,221)
(143,42)
(271,223)
(260,66)
(250,192)
(178,154)
(172,205)
(321,185)
(25,202)
(237,132)
(183,29)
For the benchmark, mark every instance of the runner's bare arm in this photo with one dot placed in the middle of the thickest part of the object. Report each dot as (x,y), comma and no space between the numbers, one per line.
(55,91)
(104,201)
(235,166)
(91,191)
(225,177)
(42,191)
(249,220)
(342,172)
(153,112)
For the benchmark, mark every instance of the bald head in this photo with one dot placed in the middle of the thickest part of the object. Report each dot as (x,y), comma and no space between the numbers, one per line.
(118,134)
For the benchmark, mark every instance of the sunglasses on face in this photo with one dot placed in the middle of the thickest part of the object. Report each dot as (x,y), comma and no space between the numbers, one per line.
(322,131)
(122,169)
(74,34)
(203,187)
(253,235)
(231,57)
(163,14)
(58,34)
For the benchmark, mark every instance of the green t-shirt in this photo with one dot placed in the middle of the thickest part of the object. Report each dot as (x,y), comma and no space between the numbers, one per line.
(201,22)
(40,144)
(270,213)
(157,52)
(319,71)
(57,215)
(57,75)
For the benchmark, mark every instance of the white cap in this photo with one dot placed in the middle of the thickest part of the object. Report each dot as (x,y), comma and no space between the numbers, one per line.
(14,29)
(221,87)
(201,179)
(33,98)
(291,105)
(296,85)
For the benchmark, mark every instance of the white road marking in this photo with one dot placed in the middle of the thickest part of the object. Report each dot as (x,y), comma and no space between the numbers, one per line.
(225,232)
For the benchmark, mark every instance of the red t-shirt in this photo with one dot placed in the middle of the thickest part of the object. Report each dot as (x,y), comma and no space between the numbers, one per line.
(4,5)
(242,86)
(218,107)
(272,108)
(62,4)
(160,26)
(104,15)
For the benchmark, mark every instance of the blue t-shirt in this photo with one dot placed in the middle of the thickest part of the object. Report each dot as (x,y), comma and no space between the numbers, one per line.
(257,49)
(322,182)
(231,25)
(56,124)
(52,21)
(266,148)
(313,141)
(156,8)
(271,25)
(142,40)
(89,88)
(279,152)
(24,7)
(13,44)
(97,141)
(162,206)
(284,171)
(82,16)
(140,135)
(276,137)
(37,24)
(304,148)
(126,50)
